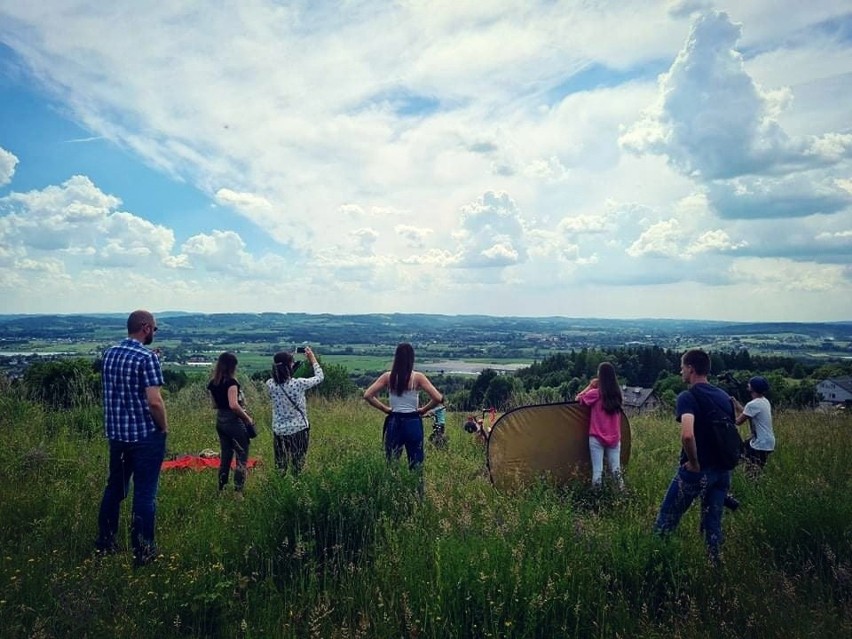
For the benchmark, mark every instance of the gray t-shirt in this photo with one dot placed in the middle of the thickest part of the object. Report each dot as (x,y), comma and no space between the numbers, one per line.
(759,411)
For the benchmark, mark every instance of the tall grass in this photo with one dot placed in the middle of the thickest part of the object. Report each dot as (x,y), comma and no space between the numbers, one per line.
(348,549)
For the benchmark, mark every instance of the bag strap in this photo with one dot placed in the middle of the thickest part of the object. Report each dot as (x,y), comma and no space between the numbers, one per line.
(703,402)
(295,405)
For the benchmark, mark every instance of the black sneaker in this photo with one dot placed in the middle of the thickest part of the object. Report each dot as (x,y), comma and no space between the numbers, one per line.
(731,503)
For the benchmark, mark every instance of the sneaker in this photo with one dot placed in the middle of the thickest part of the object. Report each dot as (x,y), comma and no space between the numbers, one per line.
(731,502)
(238,495)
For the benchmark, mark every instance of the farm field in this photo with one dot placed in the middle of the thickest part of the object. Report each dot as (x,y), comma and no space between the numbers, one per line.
(347,549)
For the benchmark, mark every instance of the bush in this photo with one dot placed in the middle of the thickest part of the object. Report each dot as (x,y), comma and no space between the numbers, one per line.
(63,383)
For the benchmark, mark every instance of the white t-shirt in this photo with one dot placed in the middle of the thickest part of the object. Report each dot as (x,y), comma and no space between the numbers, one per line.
(759,411)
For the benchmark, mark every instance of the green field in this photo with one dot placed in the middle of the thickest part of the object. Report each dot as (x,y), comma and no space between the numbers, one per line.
(348,550)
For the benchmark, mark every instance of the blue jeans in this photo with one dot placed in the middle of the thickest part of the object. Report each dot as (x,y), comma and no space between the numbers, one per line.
(712,485)
(613,460)
(404,430)
(142,461)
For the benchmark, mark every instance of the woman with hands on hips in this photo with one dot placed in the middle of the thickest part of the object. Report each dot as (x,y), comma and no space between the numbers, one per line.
(404,421)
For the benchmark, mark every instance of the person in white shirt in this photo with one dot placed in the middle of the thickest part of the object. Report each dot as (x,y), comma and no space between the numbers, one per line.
(290,425)
(759,413)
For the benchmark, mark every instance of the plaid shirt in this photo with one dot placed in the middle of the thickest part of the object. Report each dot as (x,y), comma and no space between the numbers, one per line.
(128,369)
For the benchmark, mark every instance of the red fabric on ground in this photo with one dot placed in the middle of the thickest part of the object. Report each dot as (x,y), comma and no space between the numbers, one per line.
(194,462)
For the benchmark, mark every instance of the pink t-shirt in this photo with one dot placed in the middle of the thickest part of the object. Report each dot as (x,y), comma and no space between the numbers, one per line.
(605,426)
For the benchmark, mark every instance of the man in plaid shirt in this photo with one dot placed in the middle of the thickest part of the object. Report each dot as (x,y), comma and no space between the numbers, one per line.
(135,424)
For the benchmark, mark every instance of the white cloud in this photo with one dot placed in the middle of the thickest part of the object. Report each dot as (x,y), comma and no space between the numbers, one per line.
(792,276)
(585,224)
(476,149)
(795,195)
(365,239)
(714,122)
(669,239)
(492,232)
(8,161)
(685,8)
(838,235)
(662,239)
(224,252)
(414,236)
(78,219)
(243,201)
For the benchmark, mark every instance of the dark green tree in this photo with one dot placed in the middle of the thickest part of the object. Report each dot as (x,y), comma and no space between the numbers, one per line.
(476,399)
(500,391)
(63,383)
(337,383)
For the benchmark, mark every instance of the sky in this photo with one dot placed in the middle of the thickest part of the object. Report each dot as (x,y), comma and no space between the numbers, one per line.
(645,159)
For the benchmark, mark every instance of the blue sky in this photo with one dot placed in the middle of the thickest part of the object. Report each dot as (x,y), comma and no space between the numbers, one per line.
(681,159)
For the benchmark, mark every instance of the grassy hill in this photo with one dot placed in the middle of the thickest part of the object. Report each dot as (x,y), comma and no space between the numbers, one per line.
(348,550)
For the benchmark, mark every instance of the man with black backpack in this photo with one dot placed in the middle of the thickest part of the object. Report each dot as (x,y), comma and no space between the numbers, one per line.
(710,449)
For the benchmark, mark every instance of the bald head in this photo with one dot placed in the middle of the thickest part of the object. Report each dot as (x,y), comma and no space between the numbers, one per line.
(141,326)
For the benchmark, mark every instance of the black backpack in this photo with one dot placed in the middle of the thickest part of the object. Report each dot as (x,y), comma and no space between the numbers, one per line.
(723,429)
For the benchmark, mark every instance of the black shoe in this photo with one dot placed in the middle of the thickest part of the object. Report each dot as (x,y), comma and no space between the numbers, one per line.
(731,502)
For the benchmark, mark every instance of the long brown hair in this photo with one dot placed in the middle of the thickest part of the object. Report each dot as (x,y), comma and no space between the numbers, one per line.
(403,366)
(226,366)
(609,389)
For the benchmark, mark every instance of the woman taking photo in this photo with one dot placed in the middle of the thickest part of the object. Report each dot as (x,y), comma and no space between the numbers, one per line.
(404,421)
(603,395)
(233,423)
(290,426)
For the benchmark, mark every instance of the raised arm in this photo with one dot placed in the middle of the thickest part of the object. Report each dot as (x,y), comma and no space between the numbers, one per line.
(318,376)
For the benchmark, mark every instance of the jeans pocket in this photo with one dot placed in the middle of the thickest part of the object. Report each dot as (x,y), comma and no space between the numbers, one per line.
(689,476)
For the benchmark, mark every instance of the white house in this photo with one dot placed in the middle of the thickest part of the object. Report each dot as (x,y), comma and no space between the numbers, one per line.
(836,390)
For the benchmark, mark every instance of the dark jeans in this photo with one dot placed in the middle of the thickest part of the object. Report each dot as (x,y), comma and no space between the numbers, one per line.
(757,457)
(404,430)
(712,486)
(141,461)
(291,449)
(233,440)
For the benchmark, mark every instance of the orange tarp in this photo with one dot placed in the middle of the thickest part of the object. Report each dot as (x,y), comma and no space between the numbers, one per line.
(196,462)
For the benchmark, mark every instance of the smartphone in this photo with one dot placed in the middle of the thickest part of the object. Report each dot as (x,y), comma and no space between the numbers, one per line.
(300,349)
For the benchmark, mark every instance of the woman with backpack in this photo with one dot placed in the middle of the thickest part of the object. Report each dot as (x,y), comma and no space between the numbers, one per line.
(603,396)
(290,425)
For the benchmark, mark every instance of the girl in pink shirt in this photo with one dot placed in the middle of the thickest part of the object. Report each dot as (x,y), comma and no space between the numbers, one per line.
(603,395)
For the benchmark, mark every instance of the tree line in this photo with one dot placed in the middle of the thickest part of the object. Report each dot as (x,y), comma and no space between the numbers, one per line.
(559,377)
(67,382)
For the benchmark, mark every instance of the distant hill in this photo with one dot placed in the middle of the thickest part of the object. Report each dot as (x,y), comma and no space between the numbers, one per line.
(390,328)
